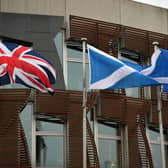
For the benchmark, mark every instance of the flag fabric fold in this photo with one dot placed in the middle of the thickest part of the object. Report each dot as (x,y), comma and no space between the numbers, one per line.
(158,69)
(20,64)
(108,72)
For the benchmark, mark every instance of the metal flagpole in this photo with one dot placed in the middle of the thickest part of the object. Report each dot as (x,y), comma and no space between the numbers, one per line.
(33,99)
(159,108)
(84,103)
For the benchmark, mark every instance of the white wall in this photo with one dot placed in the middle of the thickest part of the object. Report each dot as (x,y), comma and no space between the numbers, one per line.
(144,16)
(125,12)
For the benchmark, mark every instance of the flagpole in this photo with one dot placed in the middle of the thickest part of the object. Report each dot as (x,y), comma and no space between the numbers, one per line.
(84,40)
(159,108)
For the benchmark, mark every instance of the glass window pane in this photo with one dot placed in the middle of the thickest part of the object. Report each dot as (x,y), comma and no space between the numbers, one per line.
(156,148)
(75,79)
(154,135)
(74,53)
(107,130)
(132,92)
(109,153)
(156,155)
(26,118)
(48,123)
(58,43)
(50,151)
(49,126)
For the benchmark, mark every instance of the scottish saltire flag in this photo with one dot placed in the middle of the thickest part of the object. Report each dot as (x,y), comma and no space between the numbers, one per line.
(158,70)
(133,65)
(107,72)
(20,64)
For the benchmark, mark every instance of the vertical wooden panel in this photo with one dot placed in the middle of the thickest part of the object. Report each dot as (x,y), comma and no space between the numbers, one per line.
(136,39)
(104,35)
(13,148)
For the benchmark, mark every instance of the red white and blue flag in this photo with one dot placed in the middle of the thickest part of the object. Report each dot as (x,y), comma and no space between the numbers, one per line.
(20,64)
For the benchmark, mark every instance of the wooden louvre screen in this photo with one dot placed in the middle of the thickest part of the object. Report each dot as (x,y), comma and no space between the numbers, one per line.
(136,40)
(121,109)
(56,105)
(104,35)
(92,151)
(139,151)
(68,106)
(98,33)
(112,105)
(75,119)
(130,111)
(13,145)
(92,154)
(84,28)
(143,145)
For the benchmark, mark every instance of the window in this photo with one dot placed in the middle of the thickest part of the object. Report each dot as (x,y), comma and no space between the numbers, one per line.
(26,118)
(47,141)
(75,71)
(109,142)
(154,140)
(71,58)
(108,137)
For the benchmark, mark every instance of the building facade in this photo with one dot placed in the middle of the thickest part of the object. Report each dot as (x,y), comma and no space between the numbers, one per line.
(121,128)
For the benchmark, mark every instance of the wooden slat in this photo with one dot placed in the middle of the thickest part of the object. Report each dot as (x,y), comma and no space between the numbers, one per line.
(13,145)
(100,34)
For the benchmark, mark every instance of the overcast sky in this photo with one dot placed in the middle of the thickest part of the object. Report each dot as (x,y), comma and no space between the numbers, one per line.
(158,3)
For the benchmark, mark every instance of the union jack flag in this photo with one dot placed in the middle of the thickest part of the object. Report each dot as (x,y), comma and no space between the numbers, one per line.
(20,64)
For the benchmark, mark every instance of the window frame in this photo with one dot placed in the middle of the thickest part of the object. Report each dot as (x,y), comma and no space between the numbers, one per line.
(156,142)
(36,133)
(123,138)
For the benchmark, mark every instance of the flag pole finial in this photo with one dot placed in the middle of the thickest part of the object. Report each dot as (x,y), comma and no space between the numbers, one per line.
(155,44)
(83,39)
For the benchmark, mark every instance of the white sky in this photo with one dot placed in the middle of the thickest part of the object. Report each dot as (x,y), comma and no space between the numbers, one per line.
(158,3)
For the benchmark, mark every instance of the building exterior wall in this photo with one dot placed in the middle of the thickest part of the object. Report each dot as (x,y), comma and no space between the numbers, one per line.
(37,29)
(49,7)
(125,12)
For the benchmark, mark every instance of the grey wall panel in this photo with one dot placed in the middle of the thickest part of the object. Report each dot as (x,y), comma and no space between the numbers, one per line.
(40,30)
(42,7)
